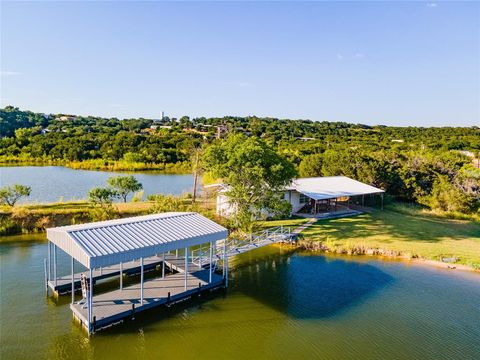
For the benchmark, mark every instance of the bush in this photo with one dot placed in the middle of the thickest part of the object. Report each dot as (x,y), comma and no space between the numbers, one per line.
(9,227)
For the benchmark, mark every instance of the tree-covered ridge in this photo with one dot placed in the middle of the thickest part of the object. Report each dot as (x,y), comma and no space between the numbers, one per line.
(77,138)
(430,166)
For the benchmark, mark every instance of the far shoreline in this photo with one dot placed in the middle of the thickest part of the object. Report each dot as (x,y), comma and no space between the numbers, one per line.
(180,168)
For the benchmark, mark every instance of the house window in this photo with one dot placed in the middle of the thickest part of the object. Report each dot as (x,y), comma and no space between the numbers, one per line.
(303,199)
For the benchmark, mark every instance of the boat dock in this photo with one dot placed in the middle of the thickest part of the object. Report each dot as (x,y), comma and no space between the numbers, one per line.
(193,249)
(117,306)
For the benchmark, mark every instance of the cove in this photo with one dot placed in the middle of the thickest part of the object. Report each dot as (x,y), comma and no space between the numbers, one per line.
(281,304)
(52,183)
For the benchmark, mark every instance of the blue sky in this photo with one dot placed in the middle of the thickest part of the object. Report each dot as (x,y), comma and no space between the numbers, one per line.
(393,63)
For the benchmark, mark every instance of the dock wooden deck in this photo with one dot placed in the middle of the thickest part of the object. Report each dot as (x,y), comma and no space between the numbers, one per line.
(115,306)
(64,283)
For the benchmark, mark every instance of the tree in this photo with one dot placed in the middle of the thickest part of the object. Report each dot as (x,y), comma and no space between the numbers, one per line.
(254,173)
(101,199)
(124,185)
(311,165)
(102,196)
(11,194)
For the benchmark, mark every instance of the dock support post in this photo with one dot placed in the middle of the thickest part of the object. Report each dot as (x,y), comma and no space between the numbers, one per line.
(141,281)
(200,257)
(224,256)
(382,200)
(186,267)
(226,271)
(121,276)
(46,275)
(176,253)
(90,303)
(210,266)
(55,264)
(163,266)
(49,259)
(73,281)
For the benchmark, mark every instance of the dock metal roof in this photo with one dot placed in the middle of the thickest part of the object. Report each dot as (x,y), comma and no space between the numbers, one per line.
(330,187)
(110,242)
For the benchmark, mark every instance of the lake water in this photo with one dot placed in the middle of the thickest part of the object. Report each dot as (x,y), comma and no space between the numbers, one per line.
(280,305)
(52,183)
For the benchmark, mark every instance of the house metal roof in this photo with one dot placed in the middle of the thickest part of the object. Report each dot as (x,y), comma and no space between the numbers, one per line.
(110,242)
(330,187)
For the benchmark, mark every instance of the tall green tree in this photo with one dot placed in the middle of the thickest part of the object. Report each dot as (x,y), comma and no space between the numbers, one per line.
(254,173)
(124,185)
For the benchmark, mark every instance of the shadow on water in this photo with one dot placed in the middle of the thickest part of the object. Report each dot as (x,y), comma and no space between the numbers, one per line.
(300,285)
(309,286)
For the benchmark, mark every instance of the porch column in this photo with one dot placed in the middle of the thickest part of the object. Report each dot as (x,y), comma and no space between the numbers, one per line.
(363,200)
(141,281)
(186,267)
(73,281)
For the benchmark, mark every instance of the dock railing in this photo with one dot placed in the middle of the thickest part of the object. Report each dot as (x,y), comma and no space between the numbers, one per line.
(235,246)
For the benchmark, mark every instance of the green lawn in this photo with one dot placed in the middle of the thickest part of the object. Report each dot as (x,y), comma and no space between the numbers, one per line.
(422,235)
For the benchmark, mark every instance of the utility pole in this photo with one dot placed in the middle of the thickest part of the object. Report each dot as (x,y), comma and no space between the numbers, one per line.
(195,175)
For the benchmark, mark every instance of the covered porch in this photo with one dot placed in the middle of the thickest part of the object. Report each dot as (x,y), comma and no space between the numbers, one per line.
(333,196)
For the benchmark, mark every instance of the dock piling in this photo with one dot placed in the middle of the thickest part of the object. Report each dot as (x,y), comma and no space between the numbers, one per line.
(46,276)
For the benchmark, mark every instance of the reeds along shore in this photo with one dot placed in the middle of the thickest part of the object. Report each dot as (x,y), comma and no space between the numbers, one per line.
(100,164)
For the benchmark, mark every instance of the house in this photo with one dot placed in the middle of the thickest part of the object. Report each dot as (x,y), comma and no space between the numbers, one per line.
(315,195)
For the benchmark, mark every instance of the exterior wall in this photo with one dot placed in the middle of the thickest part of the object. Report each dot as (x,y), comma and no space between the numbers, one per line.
(226,210)
(223,206)
(295,201)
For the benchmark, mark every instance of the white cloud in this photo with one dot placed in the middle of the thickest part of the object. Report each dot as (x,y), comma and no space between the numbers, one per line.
(9,73)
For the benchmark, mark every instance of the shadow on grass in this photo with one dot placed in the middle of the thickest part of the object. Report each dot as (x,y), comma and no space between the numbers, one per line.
(389,226)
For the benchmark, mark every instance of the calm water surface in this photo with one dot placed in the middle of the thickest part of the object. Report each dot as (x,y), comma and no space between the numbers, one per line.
(280,305)
(52,183)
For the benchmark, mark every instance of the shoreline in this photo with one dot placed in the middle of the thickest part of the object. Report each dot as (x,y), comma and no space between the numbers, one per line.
(390,255)
(181,168)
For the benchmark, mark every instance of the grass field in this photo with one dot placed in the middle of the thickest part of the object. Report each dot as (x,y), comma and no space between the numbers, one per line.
(421,235)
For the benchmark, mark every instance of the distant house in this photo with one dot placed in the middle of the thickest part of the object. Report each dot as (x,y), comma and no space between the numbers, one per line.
(467,153)
(314,196)
(66,118)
